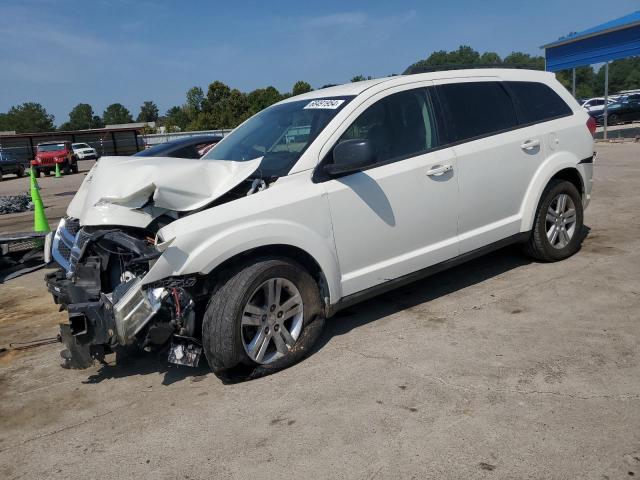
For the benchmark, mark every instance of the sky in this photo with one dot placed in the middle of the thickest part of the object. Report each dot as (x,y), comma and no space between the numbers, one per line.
(63,52)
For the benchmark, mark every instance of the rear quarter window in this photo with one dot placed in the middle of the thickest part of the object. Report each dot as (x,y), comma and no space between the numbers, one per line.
(476,109)
(537,102)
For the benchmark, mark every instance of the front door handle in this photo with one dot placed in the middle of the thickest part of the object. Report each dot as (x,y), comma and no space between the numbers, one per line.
(439,170)
(530,144)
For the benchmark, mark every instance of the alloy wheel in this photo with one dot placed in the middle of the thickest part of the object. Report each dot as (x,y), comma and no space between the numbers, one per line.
(561,221)
(272,320)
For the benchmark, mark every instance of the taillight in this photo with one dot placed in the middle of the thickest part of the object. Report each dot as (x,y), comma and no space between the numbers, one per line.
(591,125)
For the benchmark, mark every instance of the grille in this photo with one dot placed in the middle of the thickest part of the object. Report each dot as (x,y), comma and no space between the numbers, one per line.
(64,244)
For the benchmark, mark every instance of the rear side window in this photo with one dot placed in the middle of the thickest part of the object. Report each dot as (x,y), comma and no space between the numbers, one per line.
(399,126)
(537,102)
(477,109)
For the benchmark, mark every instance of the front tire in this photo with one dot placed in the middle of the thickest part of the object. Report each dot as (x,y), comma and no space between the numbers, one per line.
(557,228)
(267,315)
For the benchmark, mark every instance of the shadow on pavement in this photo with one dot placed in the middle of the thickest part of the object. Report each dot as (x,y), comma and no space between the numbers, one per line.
(435,286)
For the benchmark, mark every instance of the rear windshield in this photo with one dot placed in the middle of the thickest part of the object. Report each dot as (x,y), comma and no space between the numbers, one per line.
(51,147)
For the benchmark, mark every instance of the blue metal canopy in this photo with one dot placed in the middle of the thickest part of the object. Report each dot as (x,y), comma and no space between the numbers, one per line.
(612,40)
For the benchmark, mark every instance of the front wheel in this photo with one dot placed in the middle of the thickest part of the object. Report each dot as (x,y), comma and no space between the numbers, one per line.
(557,228)
(267,316)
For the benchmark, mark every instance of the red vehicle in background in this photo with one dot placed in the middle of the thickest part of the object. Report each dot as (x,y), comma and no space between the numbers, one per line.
(50,153)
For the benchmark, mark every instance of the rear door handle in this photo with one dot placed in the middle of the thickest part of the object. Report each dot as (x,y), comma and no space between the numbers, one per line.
(439,170)
(530,144)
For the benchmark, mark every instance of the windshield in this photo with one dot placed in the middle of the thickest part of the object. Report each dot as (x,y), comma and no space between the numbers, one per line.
(80,145)
(52,147)
(280,134)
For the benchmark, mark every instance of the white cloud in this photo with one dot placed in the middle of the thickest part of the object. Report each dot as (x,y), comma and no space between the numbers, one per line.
(349,19)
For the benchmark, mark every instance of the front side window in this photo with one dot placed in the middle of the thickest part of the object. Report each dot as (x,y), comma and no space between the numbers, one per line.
(477,109)
(398,126)
(279,134)
(537,102)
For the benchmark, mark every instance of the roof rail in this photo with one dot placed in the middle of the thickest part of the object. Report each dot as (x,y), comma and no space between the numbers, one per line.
(414,69)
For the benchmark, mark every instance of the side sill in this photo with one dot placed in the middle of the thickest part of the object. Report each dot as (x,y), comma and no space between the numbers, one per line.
(376,290)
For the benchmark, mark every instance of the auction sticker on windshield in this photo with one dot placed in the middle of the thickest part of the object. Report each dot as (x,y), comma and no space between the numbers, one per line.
(330,104)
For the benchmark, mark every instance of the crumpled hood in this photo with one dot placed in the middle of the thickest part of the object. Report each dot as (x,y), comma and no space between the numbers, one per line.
(116,188)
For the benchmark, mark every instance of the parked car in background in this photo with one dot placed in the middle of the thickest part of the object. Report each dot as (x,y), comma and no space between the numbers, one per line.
(594,104)
(314,204)
(48,154)
(84,151)
(619,112)
(186,147)
(10,165)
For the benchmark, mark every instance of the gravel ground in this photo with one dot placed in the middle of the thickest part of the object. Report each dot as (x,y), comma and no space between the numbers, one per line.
(499,369)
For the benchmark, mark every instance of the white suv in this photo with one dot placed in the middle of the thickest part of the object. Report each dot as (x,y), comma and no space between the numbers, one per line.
(84,151)
(316,203)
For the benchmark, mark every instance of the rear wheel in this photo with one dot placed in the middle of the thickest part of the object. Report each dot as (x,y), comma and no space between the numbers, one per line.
(266,316)
(0,174)
(20,171)
(557,228)
(74,167)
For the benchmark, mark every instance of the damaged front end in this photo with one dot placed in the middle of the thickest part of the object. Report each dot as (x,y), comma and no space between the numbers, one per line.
(100,284)
(107,245)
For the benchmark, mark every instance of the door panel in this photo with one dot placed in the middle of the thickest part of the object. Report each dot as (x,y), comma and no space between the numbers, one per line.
(494,174)
(395,219)
(496,159)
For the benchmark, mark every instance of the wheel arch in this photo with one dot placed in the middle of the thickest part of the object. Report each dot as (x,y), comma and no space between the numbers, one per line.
(564,167)
(282,250)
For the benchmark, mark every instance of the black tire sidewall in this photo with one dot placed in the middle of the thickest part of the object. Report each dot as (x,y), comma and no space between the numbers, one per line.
(259,272)
(552,192)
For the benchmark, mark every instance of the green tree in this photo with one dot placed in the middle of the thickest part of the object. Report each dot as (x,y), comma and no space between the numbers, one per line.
(621,76)
(176,117)
(28,117)
(524,60)
(490,58)
(148,112)
(262,98)
(195,97)
(116,113)
(216,93)
(80,118)
(300,87)
(96,122)
(360,78)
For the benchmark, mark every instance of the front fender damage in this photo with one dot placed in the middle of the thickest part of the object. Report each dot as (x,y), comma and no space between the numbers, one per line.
(109,306)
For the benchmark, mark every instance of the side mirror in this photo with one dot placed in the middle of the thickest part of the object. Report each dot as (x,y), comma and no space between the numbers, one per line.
(351,156)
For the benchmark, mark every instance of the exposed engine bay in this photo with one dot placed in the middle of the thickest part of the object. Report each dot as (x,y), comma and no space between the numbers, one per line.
(100,283)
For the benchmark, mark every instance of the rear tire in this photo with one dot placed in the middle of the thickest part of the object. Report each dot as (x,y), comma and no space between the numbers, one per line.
(557,227)
(74,167)
(241,328)
(20,172)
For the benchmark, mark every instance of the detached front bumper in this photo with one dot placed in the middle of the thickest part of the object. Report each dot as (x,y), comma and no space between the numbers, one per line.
(97,325)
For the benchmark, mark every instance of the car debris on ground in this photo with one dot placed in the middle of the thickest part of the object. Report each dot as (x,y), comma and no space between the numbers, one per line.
(15,204)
